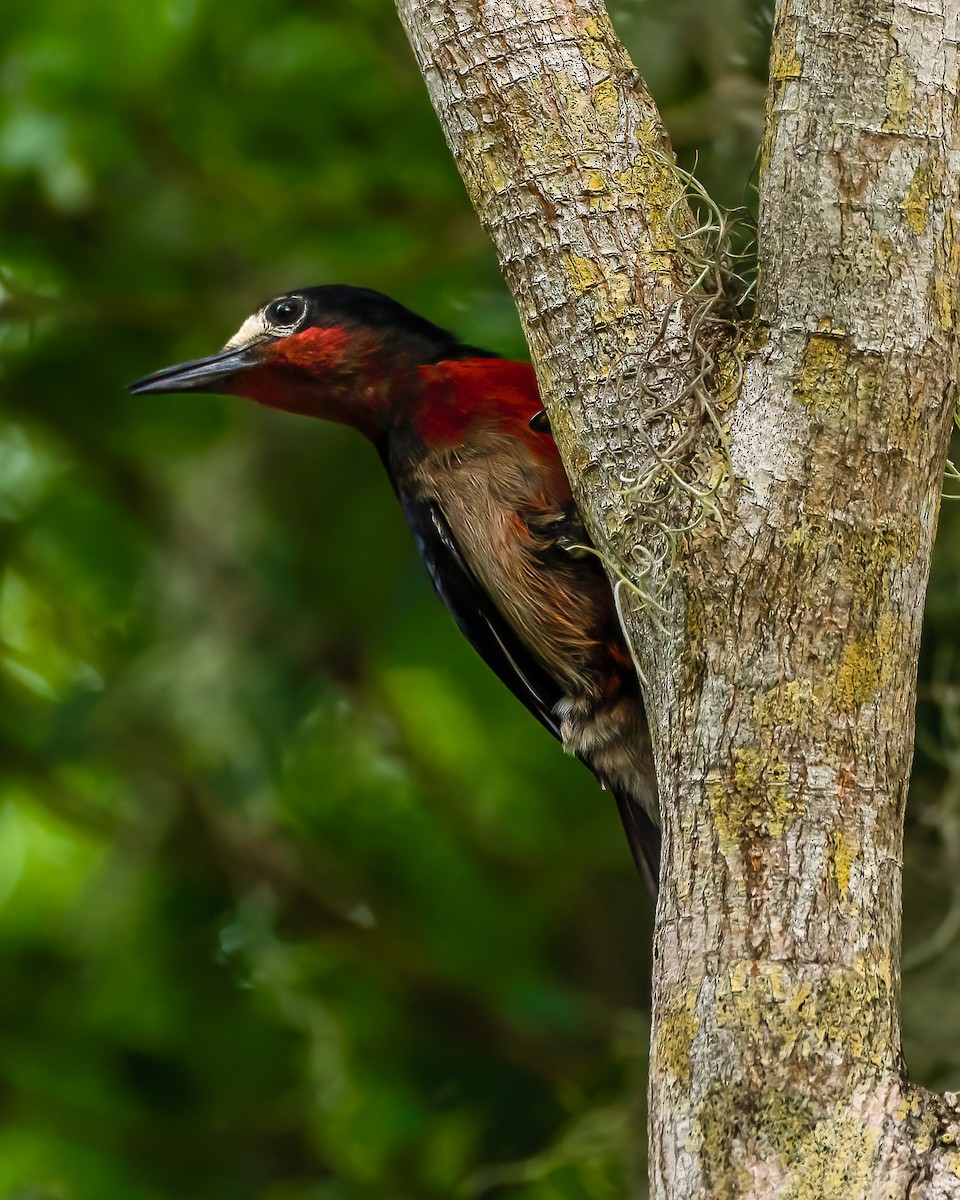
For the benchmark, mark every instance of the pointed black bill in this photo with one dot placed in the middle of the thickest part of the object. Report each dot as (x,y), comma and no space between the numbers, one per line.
(201,375)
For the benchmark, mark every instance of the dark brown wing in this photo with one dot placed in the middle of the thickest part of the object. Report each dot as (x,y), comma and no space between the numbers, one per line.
(487,630)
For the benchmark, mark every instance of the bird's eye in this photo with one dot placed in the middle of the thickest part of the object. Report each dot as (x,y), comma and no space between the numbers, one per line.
(286,311)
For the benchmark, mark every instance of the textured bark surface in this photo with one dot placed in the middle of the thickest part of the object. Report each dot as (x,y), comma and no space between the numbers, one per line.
(780,660)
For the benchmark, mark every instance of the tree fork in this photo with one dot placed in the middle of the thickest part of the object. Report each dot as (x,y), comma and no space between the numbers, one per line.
(780,661)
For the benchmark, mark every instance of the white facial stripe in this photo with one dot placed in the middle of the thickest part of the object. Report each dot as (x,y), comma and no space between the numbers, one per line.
(251,330)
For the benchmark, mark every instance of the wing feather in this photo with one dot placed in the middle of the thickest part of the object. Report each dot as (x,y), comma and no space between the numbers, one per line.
(498,644)
(478,618)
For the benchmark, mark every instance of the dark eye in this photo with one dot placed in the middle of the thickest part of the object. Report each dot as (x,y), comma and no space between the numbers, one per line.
(287,311)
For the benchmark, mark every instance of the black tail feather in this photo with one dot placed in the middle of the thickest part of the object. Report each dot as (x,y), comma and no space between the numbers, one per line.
(644,839)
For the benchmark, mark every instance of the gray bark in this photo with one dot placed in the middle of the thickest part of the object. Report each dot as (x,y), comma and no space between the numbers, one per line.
(772,580)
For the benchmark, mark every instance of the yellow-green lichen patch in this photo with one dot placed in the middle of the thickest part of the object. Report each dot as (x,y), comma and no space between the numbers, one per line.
(843,854)
(923,1121)
(858,676)
(946,282)
(785,63)
(834,380)
(594,183)
(918,198)
(675,1031)
(606,106)
(703,625)
(859,558)
(788,1014)
(492,168)
(901,85)
(653,183)
(620,290)
(718,1124)
(752,800)
(775,1133)
(884,250)
(591,118)
(615,291)
(596,46)
(945,295)
(867,664)
(583,272)
(783,1122)
(822,381)
(483,167)
(544,141)
(909,1105)
(836,1160)
(796,705)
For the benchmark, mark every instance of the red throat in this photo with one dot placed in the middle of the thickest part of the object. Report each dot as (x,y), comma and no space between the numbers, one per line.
(330,373)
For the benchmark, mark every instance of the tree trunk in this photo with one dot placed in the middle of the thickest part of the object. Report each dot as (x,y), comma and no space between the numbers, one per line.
(772,575)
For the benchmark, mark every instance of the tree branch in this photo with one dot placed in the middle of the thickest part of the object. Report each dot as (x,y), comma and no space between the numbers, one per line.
(778,635)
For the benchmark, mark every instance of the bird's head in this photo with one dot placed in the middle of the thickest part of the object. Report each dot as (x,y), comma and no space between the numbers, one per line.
(341,353)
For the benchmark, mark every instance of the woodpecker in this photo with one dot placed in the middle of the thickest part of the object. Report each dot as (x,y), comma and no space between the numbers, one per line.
(466,443)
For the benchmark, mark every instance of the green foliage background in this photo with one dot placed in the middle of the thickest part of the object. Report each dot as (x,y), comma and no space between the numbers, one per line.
(295,902)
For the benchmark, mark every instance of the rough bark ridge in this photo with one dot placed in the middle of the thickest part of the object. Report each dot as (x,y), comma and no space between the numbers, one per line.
(780,661)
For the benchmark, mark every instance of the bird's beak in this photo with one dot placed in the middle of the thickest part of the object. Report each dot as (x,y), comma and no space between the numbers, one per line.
(202,375)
